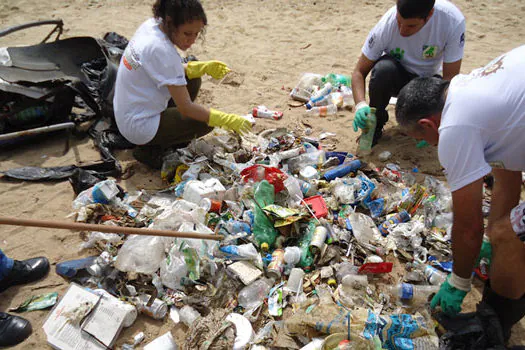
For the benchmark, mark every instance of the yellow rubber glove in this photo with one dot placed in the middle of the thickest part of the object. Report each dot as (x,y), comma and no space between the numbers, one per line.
(216,69)
(232,122)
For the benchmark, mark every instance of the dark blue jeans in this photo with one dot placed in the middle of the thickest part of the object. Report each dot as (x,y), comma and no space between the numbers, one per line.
(6,264)
(387,79)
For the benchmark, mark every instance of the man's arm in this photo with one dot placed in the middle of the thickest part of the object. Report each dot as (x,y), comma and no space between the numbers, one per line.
(467,228)
(450,70)
(361,70)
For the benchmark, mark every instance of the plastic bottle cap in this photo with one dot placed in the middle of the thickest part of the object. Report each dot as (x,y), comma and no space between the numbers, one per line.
(265,246)
(332,282)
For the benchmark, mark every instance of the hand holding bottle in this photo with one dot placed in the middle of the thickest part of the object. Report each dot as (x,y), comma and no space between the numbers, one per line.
(362,110)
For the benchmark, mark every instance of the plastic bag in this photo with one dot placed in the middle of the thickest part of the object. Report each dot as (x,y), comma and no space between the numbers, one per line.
(173,269)
(142,254)
(306,86)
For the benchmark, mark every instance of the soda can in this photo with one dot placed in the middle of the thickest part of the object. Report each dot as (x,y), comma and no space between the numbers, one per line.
(157,310)
(276,266)
(318,239)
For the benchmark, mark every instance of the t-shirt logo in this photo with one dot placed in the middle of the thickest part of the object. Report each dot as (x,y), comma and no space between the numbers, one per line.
(462,40)
(429,51)
(130,58)
(398,53)
(371,41)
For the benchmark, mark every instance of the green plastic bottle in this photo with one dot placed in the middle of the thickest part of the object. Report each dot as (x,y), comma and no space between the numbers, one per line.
(367,137)
(307,258)
(263,230)
(337,79)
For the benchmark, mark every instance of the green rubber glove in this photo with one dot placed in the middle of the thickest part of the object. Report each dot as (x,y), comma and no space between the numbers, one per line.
(231,122)
(449,298)
(215,69)
(485,252)
(361,113)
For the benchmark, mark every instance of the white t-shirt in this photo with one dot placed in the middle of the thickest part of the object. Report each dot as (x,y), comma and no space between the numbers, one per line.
(483,121)
(440,40)
(150,63)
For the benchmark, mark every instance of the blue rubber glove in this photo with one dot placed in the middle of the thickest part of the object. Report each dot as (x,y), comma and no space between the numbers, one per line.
(449,297)
(361,115)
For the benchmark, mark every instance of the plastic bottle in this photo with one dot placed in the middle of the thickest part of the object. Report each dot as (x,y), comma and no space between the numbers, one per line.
(292,256)
(313,157)
(413,293)
(430,273)
(345,269)
(326,100)
(240,252)
(337,79)
(307,259)
(188,315)
(318,95)
(294,188)
(235,226)
(367,137)
(322,111)
(402,216)
(263,229)
(254,294)
(342,170)
(70,268)
(308,188)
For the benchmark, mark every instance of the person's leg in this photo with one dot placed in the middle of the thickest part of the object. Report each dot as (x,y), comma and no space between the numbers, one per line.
(386,80)
(506,291)
(175,130)
(6,265)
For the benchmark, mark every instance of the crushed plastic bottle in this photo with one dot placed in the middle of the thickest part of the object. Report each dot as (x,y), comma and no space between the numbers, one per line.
(413,294)
(254,294)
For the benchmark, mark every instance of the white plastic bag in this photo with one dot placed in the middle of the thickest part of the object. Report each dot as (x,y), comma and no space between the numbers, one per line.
(142,254)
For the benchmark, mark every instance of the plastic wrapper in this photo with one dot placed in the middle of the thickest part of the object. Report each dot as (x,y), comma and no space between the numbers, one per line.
(364,228)
(142,254)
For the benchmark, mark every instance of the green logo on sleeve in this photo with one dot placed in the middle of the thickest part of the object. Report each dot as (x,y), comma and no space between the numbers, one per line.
(398,53)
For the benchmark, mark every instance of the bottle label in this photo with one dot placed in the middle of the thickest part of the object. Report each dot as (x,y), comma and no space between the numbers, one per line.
(407,291)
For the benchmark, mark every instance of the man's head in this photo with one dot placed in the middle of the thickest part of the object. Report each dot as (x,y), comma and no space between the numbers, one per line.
(412,15)
(419,106)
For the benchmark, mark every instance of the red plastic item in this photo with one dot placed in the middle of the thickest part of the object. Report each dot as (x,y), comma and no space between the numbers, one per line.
(260,172)
(318,206)
(384,267)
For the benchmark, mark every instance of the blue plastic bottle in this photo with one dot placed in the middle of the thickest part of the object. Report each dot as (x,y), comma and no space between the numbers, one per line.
(342,170)
(70,268)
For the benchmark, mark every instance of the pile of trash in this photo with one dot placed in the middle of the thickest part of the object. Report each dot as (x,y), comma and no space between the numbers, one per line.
(310,249)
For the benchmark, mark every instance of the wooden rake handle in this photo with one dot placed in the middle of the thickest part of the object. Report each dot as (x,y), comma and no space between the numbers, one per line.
(77,226)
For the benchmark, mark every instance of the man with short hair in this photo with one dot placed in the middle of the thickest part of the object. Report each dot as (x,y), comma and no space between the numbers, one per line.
(478,123)
(415,38)
(14,329)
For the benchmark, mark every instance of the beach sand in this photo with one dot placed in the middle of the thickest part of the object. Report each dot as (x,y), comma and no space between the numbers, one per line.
(268,44)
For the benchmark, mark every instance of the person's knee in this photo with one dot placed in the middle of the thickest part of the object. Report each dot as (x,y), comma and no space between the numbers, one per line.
(384,70)
(501,232)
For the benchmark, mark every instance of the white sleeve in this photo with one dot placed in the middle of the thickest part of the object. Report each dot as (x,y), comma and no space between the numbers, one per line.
(375,42)
(164,66)
(461,153)
(455,45)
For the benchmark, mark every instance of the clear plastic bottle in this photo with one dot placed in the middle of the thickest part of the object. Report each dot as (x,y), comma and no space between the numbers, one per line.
(188,315)
(318,95)
(413,294)
(367,137)
(254,294)
(294,188)
(322,111)
(429,273)
(326,100)
(292,256)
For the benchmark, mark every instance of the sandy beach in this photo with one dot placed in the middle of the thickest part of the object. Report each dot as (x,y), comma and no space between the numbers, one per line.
(268,44)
